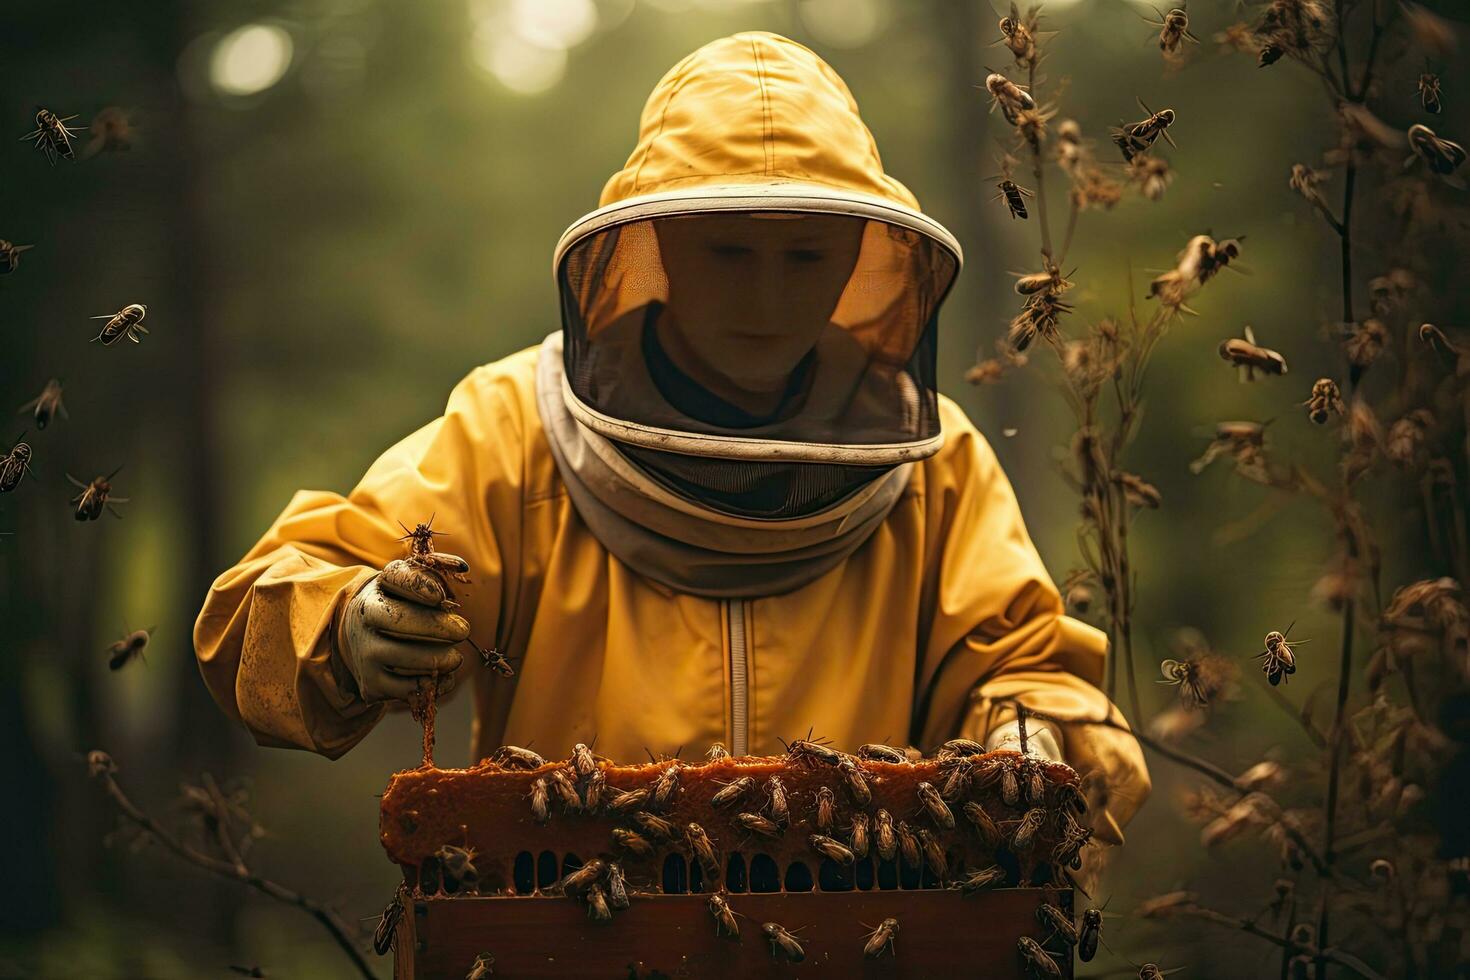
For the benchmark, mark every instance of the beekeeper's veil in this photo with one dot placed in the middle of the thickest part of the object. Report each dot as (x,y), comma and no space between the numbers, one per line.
(750,315)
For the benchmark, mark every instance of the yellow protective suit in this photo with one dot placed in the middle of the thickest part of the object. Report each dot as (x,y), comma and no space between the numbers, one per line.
(944,609)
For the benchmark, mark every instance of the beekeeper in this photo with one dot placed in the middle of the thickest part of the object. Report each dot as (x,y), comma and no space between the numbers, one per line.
(724,503)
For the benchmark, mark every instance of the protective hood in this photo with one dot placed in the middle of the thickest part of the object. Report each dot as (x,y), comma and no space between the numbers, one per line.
(681,291)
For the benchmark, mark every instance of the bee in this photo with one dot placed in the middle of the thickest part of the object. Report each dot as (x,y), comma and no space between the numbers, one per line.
(597,907)
(1270,54)
(783,942)
(47,404)
(1429,91)
(10,256)
(733,792)
(52,135)
(716,752)
(725,924)
(127,321)
(1440,155)
(1250,357)
(858,838)
(387,929)
(757,824)
(626,801)
(95,496)
(1035,784)
(808,752)
(1135,138)
(457,865)
(1184,674)
(632,841)
(1015,197)
(880,939)
(960,747)
(1010,786)
(1278,660)
(515,757)
(933,853)
(483,967)
(491,657)
(1012,98)
(826,809)
(583,761)
(884,838)
(14,465)
(130,646)
(1326,398)
(1089,935)
(1036,960)
(655,827)
(421,538)
(874,752)
(780,814)
(666,787)
(908,845)
(1069,850)
(702,849)
(989,832)
(583,878)
(1052,916)
(617,886)
(1151,971)
(1069,794)
(594,791)
(932,804)
(566,790)
(977,880)
(540,800)
(855,781)
(1026,829)
(1017,36)
(1173,29)
(831,849)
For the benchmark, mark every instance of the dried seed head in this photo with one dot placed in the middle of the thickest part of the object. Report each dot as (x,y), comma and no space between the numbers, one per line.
(1405,443)
(986,372)
(1365,343)
(1138,491)
(1150,174)
(1306,181)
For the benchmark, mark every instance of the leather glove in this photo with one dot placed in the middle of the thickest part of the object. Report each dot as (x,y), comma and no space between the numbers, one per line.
(1043,739)
(395,633)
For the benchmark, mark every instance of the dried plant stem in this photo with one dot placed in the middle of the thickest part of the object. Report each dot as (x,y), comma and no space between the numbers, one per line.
(1290,946)
(1318,739)
(235,870)
(1039,172)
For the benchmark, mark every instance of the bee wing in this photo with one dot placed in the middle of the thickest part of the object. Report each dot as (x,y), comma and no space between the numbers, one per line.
(1168,139)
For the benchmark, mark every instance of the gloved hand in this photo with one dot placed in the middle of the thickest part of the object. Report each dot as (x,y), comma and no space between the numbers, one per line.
(394,633)
(1043,739)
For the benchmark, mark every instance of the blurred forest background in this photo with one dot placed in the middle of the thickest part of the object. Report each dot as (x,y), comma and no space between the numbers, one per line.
(334,209)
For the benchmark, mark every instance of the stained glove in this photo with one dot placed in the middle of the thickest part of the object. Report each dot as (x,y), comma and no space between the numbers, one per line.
(395,633)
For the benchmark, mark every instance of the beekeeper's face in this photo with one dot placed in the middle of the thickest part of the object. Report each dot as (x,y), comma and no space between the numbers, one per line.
(750,294)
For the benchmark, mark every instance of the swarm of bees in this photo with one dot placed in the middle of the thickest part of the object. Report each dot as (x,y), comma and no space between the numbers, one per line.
(1250,357)
(52,135)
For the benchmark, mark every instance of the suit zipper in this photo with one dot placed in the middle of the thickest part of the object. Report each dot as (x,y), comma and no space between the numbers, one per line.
(739,679)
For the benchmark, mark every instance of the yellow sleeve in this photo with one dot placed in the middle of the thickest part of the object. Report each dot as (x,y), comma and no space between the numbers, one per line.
(265,636)
(998,629)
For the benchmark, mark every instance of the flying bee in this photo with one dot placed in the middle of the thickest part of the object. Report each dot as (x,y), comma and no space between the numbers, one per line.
(975,880)
(1440,155)
(989,832)
(832,850)
(130,646)
(597,907)
(617,886)
(1135,138)
(874,752)
(855,781)
(483,968)
(1026,829)
(725,924)
(808,752)
(594,791)
(632,841)
(733,792)
(566,790)
(10,256)
(626,801)
(702,849)
(110,131)
(858,837)
(387,929)
(666,787)
(655,826)
(584,877)
(515,757)
(1011,98)
(492,658)
(1250,357)
(717,751)
(780,813)
(1429,91)
(47,404)
(1052,916)
(1326,398)
(1015,197)
(960,747)
(1278,660)
(583,761)
(95,496)
(783,942)
(885,841)
(1184,674)
(1069,850)
(540,800)
(1036,960)
(933,853)
(14,465)
(1089,935)
(908,845)
(757,824)
(127,321)
(880,939)
(1173,29)
(52,135)
(932,804)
